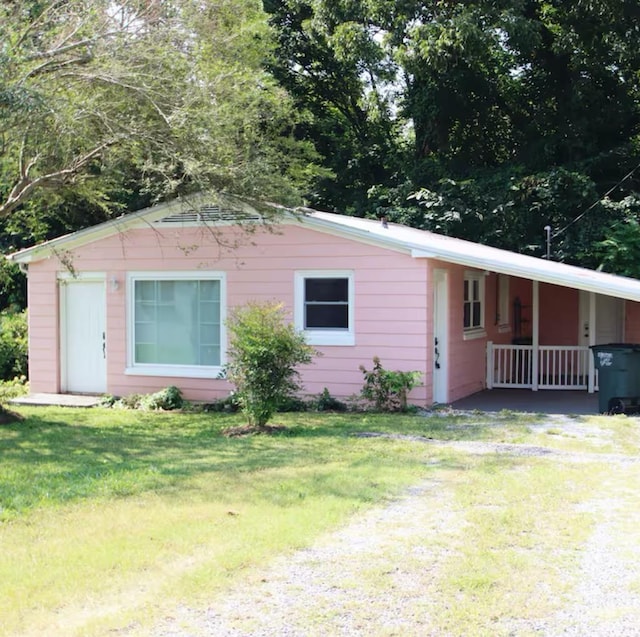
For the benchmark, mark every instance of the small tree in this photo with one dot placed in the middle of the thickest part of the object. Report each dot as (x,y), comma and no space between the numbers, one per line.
(264,350)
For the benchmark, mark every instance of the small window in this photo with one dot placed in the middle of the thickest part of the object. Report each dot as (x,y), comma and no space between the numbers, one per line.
(473,307)
(324,307)
(175,324)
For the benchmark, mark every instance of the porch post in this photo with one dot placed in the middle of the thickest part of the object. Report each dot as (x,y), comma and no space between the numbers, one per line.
(535,334)
(591,384)
(489,364)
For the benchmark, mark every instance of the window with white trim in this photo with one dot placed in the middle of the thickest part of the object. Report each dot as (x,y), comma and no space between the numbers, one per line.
(324,301)
(176,324)
(473,305)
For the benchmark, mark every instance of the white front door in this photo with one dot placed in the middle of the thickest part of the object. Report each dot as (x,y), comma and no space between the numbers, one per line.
(83,337)
(609,318)
(440,336)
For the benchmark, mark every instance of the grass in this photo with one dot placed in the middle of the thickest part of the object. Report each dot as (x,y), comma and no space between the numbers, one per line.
(110,517)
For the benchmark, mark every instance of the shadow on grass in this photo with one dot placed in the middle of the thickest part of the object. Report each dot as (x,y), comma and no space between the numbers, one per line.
(441,425)
(57,455)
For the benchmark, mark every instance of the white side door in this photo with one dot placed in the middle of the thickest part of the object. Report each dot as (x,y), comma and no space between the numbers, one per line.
(609,317)
(83,337)
(440,336)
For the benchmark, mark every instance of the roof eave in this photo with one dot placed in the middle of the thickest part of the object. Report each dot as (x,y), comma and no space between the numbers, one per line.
(120,224)
(615,285)
(350,232)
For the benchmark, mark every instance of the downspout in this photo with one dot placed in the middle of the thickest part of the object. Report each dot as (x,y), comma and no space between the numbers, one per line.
(535,334)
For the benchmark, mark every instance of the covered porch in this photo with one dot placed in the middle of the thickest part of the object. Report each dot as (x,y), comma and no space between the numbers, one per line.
(552,332)
(566,402)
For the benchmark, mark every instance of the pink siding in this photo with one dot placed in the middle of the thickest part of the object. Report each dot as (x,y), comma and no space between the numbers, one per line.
(390,307)
(559,315)
(44,330)
(632,322)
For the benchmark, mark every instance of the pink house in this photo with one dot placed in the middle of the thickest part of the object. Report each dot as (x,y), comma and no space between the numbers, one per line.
(139,303)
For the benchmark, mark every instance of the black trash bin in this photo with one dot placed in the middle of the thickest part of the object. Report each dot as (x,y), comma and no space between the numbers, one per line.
(618,366)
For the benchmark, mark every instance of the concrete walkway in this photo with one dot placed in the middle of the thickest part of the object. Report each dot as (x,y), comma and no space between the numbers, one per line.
(543,401)
(57,400)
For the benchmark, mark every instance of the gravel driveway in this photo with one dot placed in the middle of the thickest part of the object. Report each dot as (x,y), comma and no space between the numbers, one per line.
(375,576)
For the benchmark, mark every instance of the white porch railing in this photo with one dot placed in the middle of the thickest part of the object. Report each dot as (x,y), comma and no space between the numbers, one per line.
(558,367)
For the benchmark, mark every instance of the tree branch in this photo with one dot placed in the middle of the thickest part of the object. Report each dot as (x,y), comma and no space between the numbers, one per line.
(25,186)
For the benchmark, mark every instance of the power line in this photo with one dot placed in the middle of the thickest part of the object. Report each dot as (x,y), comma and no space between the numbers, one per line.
(595,203)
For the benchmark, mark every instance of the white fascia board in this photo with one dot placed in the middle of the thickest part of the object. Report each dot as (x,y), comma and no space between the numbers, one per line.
(125,222)
(349,232)
(535,269)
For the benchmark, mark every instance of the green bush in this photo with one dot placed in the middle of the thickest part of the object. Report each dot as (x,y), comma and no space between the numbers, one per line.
(227,405)
(13,344)
(166,399)
(264,351)
(386,389)
(326,402)
(13,388)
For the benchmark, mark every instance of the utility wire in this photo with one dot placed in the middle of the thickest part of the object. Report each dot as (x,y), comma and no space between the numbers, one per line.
(595,203)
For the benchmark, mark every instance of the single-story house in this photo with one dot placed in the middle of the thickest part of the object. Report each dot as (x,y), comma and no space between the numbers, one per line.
(138,303)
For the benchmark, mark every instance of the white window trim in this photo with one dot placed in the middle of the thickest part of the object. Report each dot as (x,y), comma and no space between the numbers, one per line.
(175,371)
(477,331)
(327,336)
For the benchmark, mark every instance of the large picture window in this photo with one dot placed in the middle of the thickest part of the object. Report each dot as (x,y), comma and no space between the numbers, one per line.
(324,306)
(176,324)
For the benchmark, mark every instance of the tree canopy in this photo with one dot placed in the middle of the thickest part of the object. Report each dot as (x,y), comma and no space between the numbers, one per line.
(173,93)
(484,119)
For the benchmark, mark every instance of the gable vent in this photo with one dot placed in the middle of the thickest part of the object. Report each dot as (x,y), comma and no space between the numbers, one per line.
(211,214)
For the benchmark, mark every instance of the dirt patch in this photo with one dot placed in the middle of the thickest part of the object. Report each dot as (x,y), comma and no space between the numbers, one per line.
(7,416)
(253,430)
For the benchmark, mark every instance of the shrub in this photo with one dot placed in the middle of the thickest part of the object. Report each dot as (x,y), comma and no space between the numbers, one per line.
(326,402)
(17,386)
(131,401)
(388,389)
(13,344)
(166,399)
(228,405)
(264,351)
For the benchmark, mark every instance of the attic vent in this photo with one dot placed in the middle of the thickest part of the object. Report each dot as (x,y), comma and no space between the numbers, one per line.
(211,214)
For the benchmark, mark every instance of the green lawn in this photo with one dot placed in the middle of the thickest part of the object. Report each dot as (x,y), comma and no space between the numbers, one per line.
(110,517)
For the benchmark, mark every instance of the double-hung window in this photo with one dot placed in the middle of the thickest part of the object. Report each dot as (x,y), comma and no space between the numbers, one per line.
(324,309)
(176,324)
(473,304)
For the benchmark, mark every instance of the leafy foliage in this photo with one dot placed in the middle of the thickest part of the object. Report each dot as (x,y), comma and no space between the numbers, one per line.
(386,389)
(499,117)
(620,251)
(326,402)
(167,399)
(173,94)
(17,386)
(263,353)
(13,344)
